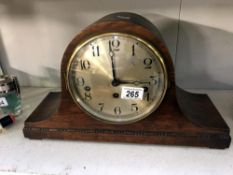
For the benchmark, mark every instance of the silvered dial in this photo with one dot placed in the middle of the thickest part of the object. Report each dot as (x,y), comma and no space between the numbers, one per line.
(102,69)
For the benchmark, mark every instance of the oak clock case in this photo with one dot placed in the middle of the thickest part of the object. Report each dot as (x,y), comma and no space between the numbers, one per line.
(118,85)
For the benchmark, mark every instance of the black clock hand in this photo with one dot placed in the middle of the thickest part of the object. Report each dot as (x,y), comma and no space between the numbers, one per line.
(115,82)
(113,65)
(132,82)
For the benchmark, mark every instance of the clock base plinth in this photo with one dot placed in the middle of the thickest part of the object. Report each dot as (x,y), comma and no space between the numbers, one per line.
(61,119)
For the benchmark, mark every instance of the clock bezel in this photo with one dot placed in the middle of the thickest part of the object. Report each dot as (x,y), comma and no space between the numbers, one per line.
(76,98)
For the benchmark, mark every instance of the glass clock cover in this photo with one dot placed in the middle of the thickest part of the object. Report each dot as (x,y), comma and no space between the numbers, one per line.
(117,78)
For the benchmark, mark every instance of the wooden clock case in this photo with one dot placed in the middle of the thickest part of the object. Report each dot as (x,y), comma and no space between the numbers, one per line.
(182,118)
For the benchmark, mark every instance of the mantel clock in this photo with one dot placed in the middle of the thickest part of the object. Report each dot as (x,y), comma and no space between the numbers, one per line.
(118,84)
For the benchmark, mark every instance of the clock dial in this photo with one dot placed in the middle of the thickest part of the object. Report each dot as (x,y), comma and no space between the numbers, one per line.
(117,77)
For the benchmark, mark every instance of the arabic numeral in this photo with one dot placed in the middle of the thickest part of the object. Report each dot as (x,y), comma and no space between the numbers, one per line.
(101,106)
(148,63)
(117,110)
(84,64)
(114,45)
(133,50)
(155,79)
(134,107)
(87,96)
(95,51)
(80,81)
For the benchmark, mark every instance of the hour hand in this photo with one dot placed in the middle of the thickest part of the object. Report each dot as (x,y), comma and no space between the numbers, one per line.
(133,82)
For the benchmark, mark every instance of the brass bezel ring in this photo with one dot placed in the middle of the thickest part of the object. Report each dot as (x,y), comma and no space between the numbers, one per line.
(82,105)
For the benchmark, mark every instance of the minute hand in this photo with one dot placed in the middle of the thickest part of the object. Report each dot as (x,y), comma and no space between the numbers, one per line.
(111,54)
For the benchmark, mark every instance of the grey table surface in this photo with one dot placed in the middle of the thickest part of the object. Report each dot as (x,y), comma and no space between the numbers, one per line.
(19,155)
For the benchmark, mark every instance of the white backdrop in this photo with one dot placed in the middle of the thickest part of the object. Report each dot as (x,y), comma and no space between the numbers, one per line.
(35,33)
